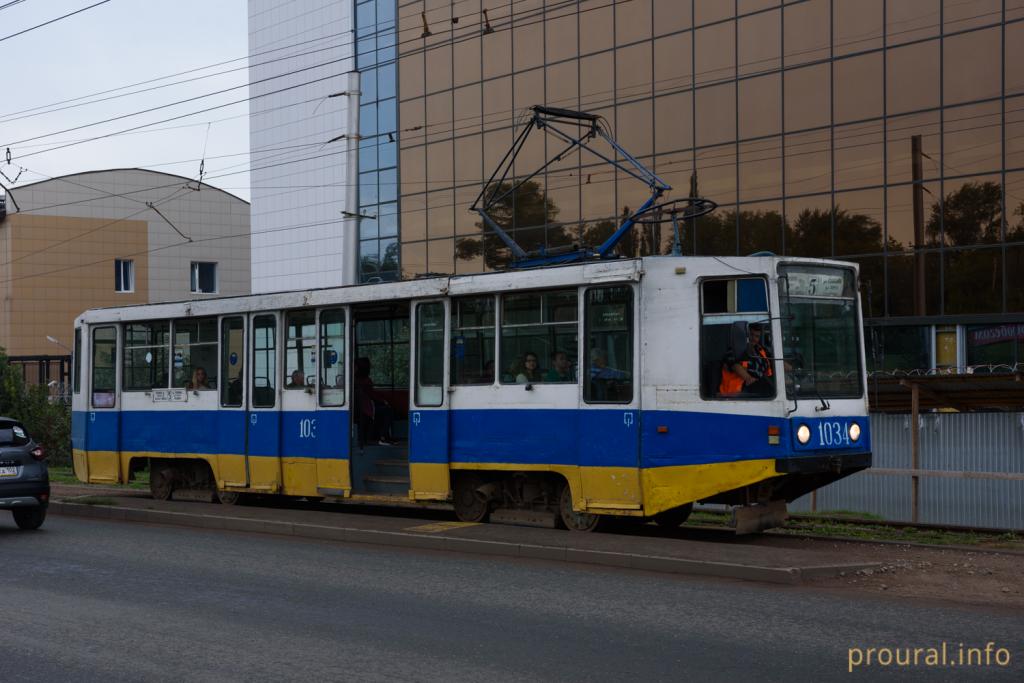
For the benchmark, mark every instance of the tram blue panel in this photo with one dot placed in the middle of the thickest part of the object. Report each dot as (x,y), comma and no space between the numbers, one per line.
(265,433)
(207,432)
(428,436)
(312,434)
(102,430)
(701,438)
(530,437)
(609,438)
(79,420)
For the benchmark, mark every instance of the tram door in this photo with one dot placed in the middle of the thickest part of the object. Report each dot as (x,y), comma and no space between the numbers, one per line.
(263,423)
(299,424)
(232,471)
(428,412)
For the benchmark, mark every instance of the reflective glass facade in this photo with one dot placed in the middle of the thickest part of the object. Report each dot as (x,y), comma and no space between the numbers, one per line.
(378,122)
(802,120)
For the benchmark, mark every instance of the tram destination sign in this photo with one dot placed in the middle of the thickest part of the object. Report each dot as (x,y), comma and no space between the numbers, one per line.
(170,395)
(802,283)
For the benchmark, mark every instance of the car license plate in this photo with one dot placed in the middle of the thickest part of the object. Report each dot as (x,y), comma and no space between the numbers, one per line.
(8,471)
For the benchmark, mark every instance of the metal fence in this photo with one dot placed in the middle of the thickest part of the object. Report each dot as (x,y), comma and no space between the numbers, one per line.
(52,371)
(971,472)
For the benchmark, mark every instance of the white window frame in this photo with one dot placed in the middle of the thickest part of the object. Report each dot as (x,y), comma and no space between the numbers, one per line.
(120,269)
(193,277)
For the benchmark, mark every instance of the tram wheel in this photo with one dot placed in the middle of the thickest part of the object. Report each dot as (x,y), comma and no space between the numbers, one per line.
(575,521)
(229,497)
(468,505)
(161,482)
(670,519)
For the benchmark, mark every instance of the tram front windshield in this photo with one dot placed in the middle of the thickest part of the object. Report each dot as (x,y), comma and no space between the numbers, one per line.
(821,339)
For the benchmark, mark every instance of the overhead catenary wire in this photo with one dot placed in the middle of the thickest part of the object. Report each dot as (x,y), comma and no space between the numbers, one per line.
(726,164)
(51,21)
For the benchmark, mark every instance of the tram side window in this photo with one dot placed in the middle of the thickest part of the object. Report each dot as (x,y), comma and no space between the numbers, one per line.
(195,354)
(264,361)
(472,352)
(609,334)
(146,349)
(104,367)
(232,350)
(332,358)
(300,350)
(539,337)
(429,354)
(733,312)
(76,361)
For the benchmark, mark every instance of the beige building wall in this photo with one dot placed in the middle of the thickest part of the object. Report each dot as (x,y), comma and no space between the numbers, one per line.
(59,267)
(61,237)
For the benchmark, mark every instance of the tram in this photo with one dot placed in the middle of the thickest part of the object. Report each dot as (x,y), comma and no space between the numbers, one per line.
(560,395)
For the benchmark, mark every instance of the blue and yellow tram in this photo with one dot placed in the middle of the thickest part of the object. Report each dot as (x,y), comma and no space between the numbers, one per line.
(564,393)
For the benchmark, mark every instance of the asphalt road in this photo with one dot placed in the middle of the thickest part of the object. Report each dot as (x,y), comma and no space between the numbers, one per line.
(87,600)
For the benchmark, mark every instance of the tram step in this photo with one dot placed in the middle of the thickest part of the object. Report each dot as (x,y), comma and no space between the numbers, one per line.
(385,479)
(380,483)
(392,462)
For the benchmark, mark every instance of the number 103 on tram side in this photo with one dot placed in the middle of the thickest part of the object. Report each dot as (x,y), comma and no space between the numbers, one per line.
(559,395)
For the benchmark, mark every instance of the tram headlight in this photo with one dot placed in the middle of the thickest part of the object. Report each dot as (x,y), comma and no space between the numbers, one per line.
(854,431)
(803,433)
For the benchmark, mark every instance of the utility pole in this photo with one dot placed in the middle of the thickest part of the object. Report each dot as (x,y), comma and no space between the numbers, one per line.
(918,201)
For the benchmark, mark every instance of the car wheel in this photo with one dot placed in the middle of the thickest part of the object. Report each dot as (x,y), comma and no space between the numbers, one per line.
(29,519)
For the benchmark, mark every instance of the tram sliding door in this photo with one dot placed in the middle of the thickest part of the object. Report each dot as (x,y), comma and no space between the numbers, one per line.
(263,426)
(299,424)
(231,467)
(428,414)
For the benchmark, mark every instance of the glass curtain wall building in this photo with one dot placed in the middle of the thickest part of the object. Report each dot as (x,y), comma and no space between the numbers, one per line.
(886,132)
(378,157)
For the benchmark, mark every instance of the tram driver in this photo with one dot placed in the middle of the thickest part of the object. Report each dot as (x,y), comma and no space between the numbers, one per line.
(749,372)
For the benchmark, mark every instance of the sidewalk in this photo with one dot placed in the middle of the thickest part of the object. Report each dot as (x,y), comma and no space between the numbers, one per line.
(723,556)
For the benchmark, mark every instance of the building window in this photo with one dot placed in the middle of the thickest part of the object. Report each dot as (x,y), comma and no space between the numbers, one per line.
(124,275)
(204,277)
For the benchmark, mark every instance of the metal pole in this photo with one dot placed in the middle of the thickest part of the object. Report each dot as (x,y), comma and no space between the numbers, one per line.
(915,450)
(918,201)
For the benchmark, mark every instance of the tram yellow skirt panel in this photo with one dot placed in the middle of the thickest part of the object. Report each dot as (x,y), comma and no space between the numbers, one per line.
(429,481)
(669,487)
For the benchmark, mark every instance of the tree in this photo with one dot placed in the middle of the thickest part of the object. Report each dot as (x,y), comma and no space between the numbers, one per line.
(971,215)
(49,423)
(526,214)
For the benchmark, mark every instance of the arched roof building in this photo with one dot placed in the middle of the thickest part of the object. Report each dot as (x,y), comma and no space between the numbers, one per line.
(113,237)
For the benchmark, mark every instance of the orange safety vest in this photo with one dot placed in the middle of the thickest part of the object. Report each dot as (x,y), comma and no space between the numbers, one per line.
(732,382)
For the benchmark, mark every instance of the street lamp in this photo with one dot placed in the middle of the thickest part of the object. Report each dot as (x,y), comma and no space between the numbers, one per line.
(54,341)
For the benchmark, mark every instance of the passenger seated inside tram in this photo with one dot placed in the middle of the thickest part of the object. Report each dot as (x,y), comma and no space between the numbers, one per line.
(375,414)
(529,370)
(603,378)
(748,373)
(487,376)
(297,381)
(561,369)
(199,381)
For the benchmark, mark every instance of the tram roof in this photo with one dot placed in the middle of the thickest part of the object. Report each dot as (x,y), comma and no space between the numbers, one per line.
(593,272)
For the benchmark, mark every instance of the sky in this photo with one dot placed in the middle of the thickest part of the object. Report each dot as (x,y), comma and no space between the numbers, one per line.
(106,48)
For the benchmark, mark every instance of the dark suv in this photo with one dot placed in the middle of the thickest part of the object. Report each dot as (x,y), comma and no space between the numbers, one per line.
(24,477)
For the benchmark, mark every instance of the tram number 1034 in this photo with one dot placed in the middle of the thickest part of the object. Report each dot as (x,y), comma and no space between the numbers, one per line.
(833,434)
(307,428)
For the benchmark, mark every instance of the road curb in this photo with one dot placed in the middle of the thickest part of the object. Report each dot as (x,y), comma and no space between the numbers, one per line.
(655,563)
